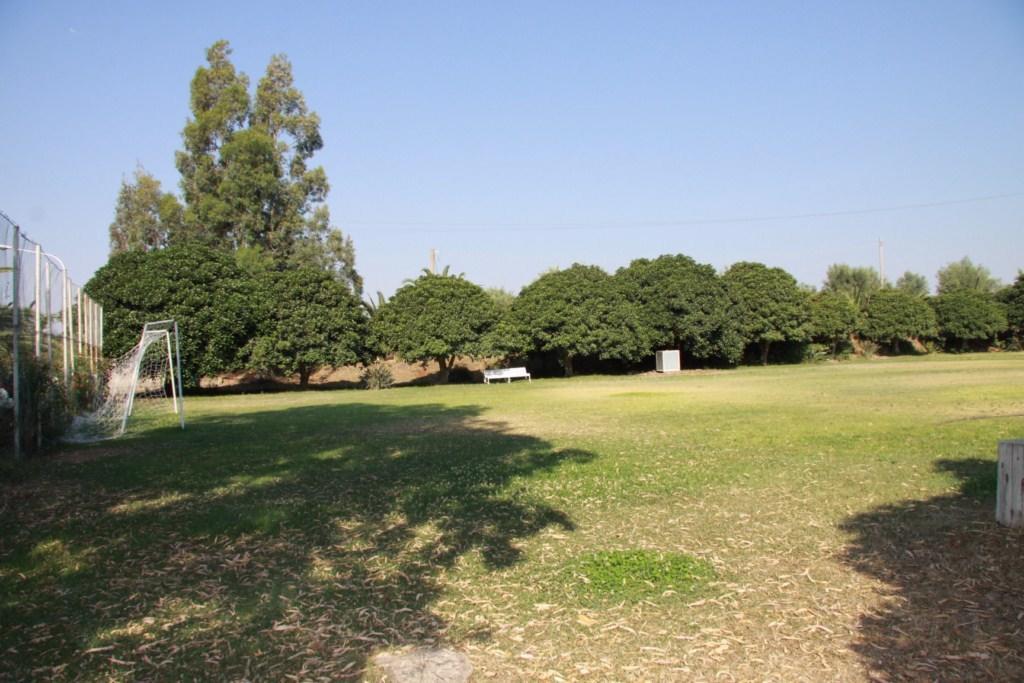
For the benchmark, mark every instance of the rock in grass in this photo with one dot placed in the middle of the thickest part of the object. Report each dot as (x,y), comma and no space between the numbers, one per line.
(425,665)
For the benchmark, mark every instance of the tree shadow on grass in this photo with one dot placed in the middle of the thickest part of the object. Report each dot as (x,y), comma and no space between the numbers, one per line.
(954,604)
(294,542)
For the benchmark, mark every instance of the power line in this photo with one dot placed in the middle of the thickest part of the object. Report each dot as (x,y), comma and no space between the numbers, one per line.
(478,226)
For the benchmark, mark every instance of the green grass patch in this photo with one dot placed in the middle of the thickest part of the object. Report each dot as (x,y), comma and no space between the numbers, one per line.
(633,575)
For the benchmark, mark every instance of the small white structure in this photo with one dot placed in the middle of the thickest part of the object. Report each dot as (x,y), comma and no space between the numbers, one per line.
(1010,486)
(507,374)
(667,361)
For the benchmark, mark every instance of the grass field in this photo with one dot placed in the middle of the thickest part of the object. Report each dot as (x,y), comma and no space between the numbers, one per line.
(837,520)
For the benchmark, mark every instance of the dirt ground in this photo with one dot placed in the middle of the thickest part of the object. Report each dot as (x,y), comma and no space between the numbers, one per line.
(345,376)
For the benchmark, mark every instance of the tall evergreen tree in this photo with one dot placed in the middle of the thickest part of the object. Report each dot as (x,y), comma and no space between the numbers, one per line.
(246,173)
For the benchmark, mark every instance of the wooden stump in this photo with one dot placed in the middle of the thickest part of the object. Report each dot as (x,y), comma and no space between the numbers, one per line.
(1010,488)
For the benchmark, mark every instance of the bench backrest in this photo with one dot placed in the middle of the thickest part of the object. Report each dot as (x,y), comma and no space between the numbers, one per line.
(505,373)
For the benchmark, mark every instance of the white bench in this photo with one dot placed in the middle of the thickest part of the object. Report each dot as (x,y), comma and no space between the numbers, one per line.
(507,374)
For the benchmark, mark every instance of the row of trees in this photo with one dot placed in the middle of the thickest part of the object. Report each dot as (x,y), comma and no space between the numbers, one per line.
(290,320)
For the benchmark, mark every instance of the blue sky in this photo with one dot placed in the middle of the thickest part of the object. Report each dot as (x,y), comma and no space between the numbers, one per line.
(515,137)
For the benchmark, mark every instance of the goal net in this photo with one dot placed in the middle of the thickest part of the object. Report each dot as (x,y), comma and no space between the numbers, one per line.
(144,383)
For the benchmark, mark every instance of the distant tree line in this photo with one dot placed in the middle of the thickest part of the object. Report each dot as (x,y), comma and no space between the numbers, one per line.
(293,321)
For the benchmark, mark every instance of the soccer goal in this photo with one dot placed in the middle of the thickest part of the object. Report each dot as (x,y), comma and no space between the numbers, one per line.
(146,380)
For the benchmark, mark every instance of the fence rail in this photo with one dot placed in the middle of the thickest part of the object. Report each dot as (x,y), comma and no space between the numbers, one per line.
(49,330)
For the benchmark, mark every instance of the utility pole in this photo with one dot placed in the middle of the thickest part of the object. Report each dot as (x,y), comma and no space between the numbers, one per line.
(881,262)
(433,261)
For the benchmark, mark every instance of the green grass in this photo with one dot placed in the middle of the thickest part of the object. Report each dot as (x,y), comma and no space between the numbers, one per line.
(297,534)
(634,575)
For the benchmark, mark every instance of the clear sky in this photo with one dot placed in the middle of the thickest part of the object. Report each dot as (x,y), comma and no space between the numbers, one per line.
(514,137)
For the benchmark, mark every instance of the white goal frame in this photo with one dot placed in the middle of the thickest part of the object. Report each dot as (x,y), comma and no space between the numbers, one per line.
(173,366)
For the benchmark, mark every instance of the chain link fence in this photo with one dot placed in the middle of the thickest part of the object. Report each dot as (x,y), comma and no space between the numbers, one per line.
(51,342)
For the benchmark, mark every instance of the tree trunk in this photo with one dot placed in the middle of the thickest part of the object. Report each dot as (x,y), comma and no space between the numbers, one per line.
(304,373)
(567,364)
(835,349)
(765,345)
(444,365)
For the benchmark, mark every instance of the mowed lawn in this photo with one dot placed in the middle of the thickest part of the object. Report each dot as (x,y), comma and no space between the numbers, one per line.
(845,511)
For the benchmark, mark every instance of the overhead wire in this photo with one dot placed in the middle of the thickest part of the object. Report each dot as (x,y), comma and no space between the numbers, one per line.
(488,226)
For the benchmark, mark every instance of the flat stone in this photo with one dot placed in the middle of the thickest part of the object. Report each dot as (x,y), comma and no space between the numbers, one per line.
(425,665)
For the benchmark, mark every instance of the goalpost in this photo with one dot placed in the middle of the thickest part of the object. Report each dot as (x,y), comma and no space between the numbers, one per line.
(137,382)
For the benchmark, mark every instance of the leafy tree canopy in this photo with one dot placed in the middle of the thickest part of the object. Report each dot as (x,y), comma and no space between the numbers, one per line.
(1012,298)
(435,317)
(146,217)
(892,315)
(967,315)
(203,289)
(502,298)
(834,317)
(245,170)
(913,283)
(964,274)
(857,282)
(683,304)
(768,305)
(579,311)
(312,320)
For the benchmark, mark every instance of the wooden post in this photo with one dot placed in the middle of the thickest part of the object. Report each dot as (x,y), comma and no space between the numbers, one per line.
(1010,487)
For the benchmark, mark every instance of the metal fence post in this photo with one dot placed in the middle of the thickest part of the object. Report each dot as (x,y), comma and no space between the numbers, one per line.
(35,302)
(69,338)
(79,336)
(48,312)
(15,356)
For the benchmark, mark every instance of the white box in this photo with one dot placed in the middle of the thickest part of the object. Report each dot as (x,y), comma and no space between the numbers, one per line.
(667,361)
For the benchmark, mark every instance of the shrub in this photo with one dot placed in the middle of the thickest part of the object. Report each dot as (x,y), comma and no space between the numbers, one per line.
(377,376)
(816,353)
(85,390)
(43,404)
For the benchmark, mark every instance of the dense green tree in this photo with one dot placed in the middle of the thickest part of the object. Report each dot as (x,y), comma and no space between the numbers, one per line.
(892,315)
(220,106)
(768,304)
(203,289)
(579,311)
(857,282)
(834,317)
(245,169)
(684,305)
(146,217)
(435,317)
(913,283)
(307,320)
(1012,298)
(967,316)
(964,274)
